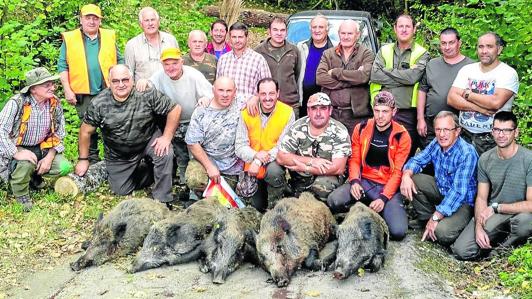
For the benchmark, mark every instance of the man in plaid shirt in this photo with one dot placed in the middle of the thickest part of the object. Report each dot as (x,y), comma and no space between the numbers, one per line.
(444,201)
(245,66)
(32,128)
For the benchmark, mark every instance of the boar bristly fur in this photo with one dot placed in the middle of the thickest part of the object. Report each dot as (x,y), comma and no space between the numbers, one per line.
(122,231)
(178,239)
(231,242)
(362,241)
(292,234)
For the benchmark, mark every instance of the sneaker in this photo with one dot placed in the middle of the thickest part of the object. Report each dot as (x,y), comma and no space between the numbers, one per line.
(25,201)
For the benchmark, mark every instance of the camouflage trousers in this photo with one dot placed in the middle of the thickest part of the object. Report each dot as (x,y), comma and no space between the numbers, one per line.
(196,177)
(320,186)
(181,153)
(271,188)
(23,172)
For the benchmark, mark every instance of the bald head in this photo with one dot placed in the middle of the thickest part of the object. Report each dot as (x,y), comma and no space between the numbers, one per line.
(349,34)
(224,90)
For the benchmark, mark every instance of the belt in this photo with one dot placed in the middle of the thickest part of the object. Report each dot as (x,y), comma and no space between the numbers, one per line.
(342,108)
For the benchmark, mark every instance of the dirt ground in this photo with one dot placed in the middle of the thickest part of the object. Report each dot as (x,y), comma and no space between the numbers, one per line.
(399,279)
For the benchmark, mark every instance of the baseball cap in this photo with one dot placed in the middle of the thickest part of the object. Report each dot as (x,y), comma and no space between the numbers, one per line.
(91,9)
(318,99)
(384,98)
(170,53)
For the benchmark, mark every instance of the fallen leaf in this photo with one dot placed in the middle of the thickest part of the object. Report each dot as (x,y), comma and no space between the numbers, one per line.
(199,289)
(312,293)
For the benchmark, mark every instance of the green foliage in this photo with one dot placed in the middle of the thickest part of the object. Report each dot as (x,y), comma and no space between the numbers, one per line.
(519,276)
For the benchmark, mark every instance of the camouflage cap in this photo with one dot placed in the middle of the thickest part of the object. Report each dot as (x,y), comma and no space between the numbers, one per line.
(384,98)
(319,99)
(37,76)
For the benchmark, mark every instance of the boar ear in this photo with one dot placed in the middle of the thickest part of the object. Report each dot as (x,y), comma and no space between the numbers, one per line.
(120,231)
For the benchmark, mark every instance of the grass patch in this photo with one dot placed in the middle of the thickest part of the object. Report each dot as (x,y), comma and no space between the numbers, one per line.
(478,279)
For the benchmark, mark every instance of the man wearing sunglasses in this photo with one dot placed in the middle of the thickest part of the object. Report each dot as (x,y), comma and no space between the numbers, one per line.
(444,202)
(137,153)
(315,149)
(503,207)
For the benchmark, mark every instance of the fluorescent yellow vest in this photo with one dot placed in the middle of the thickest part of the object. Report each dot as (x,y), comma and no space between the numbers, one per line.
(78,75)
(387,54)
(264,139)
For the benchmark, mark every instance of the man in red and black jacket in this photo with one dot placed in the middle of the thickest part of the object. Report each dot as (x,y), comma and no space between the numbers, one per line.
(380,148)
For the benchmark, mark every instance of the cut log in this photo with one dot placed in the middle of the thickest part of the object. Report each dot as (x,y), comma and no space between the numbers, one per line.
(250,17)
(75,185)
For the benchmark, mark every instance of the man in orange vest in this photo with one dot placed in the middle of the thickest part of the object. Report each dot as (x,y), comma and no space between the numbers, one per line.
(32,128)
(257,141)
(87,54)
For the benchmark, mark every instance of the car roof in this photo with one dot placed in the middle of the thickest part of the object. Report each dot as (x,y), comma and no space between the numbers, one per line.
(332,13)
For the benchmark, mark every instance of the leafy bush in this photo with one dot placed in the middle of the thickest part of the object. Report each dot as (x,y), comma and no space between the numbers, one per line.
(519,277)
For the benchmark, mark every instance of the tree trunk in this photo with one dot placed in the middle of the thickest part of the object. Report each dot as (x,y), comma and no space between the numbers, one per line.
(74,185)
(250,17)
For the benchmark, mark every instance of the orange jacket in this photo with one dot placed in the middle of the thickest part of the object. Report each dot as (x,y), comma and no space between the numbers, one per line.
(398,148)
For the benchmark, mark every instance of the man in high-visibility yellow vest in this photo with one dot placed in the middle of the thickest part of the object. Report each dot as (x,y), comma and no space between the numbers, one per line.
(398,68)
(257,143)
(86,55)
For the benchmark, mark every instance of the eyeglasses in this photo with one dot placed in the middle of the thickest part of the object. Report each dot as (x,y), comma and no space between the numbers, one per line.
(497,131)
(445,130)
(120,81)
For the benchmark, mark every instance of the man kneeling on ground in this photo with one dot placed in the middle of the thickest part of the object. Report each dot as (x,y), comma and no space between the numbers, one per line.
(126,118)
(380,148)
(503,208)
(444,201)
(257,143)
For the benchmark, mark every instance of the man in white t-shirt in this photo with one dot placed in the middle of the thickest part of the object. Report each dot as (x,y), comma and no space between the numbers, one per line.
(481,89)
(185,86)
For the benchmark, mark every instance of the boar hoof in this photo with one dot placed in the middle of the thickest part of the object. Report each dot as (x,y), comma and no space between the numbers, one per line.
(283,282)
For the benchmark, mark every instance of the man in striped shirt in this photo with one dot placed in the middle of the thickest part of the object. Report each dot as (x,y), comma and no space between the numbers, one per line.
(32,128)
(444,201)
(245,66)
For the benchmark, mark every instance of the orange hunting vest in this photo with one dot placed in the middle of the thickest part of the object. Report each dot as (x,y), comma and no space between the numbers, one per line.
(264,139)
(52,140)
(78,74)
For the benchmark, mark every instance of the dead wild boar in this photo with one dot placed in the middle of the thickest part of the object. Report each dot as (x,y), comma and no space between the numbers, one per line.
(122,231)
(230,243)
(292,234)
(178,239)
(362,241)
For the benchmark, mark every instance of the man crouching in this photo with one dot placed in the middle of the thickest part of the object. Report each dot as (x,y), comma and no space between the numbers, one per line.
(127,122)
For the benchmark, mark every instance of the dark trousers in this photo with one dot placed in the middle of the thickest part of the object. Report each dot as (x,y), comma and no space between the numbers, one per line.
(393,213)
(139,171)
(307,92)
(83,101)
(271,188)
(425,201)
(481,141)
(408,118)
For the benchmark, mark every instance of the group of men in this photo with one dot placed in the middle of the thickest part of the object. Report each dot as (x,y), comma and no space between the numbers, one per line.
(250,117)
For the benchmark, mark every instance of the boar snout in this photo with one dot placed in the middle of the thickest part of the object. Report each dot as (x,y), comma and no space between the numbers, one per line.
(81,263)
(219,276)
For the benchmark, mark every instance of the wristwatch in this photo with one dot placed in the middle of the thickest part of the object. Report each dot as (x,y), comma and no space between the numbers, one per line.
(435,218)
(495,207)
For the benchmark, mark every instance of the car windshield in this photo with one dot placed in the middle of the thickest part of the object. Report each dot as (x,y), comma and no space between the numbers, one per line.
(299,30)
